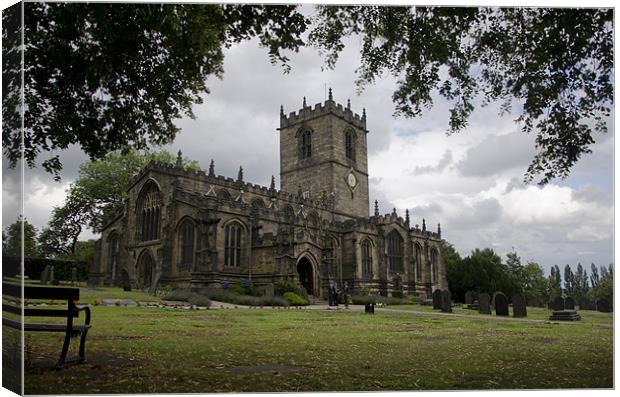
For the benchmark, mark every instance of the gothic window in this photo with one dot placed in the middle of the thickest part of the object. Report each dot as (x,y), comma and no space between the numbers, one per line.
(395,251)
(305,144)
(232,245)
(433,264)
(149,212)
(366,259)
(186,242)
(418,261)
(113,251)
(349,144)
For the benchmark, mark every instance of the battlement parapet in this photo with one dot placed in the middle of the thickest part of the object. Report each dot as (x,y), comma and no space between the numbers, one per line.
(322,109)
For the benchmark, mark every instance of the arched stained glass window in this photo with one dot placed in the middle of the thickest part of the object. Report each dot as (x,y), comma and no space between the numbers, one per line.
(305,144)
(395,251)
(149,211)
(349,144)
(186,242)
(366,259)
(232,245)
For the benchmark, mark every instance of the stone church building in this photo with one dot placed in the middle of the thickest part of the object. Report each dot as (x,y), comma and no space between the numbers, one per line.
(194,229)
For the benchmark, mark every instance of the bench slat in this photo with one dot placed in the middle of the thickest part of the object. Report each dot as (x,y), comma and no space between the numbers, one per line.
(43,327)
(39,312)
(40,292)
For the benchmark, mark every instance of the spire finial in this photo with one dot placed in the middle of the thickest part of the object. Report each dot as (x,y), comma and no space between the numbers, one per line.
(394,211)
(423,224)
(376,208)
(364,114)
(439,229)
(304,102)
(179,159)
(349,104)
(240,174)
(407,217)
(331,98)
(282,110)
(212,168)
(272,186)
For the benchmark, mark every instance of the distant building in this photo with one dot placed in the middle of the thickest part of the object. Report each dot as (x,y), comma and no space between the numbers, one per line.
(196,229)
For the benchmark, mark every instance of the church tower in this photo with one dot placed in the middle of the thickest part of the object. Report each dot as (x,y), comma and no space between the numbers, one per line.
(323,151)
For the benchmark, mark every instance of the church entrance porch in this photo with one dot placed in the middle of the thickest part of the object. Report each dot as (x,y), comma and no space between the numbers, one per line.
(144,271)
(306,275)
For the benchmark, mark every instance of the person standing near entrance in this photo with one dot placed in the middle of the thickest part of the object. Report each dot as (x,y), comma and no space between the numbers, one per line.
(335,293)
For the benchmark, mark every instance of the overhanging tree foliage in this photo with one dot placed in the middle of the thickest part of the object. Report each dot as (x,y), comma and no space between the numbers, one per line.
(554,65)
(112,76)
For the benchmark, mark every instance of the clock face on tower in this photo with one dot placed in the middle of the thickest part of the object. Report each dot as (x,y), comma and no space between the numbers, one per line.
(351,180)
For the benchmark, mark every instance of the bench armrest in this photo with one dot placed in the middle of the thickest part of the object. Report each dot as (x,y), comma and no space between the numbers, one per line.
(86,309)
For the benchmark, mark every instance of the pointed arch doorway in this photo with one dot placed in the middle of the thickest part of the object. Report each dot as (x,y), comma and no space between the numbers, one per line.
(145,270)
(307,275)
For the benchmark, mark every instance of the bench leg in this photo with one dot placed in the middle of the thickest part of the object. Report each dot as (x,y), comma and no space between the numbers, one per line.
(82,343)
(63,353)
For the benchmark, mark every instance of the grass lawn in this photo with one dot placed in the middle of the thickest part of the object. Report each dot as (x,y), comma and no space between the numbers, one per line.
(140,350)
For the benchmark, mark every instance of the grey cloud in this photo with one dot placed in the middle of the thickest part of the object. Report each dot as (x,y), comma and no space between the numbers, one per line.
(496,154)
(445,161)
(514,184)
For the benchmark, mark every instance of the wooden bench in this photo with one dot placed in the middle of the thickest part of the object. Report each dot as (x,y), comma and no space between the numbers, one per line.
(70,295)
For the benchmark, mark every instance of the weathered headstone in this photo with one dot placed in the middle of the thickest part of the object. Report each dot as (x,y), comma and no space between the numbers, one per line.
(561,312)
(469,297)
(602,305)
(73,275)
(557,303)
(484,300)
(569,303)
(519,309)
(586,304)
(45,274)
(501,304)
(53,280)
(125,280)
(437,298)
(446,301)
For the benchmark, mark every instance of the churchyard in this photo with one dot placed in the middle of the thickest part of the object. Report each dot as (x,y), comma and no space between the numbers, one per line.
(408,347)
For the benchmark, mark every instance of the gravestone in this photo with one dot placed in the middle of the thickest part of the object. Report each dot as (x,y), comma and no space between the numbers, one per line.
(519,308)
(73,275)
(602,305)
(469,297)
(501,304)
(125,280)
(484,301)
(586,304)
(557,303)
(446,301)
(53,280)
(437,298)
(563,313)
(569,303)
(45,274)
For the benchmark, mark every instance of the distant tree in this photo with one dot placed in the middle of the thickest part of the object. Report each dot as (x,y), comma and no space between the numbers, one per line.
(604,289)
(594,277)
(515,268)
(569,281)
(554,65)
(97,194)
(582,284)
(555,281)
(482,270)
(535,285)
(113,76)
(12,241)
(84,252)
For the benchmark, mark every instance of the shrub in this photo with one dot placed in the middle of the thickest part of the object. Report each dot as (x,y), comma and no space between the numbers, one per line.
(295,299)
(397,294)
(178,294)
(284,286)
(199,299)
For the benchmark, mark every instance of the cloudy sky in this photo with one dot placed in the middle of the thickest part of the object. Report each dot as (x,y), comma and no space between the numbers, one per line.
(470,182)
